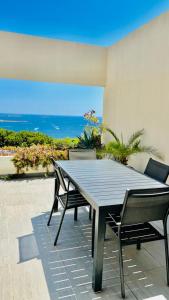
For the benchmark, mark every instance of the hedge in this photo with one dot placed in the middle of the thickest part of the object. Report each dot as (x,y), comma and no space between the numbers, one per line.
(23,138)
(29,138)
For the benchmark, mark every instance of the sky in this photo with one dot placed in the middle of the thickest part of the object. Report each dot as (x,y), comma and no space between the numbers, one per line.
(100,22)
(19,96)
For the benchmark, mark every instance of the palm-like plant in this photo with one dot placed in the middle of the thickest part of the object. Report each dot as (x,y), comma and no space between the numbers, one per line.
(121,151)
(90,139)
(91,136)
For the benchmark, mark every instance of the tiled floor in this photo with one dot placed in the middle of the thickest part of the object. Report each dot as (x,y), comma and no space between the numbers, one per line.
(32,268)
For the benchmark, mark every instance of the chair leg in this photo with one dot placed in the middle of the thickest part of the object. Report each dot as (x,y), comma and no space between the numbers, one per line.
(138,245)
(90,213)
(55,197)
(75,213)
(121,268)
(93,231)
(52,210)
(167,259)
(60,225)
(166,252)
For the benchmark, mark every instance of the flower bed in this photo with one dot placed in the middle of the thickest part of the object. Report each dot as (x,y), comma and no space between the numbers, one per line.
(34,159)
(36,156)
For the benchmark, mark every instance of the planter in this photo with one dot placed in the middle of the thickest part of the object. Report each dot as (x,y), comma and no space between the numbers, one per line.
(82,154)
(7,167)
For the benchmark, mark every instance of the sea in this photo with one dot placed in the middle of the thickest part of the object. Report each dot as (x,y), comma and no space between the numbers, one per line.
(54,126)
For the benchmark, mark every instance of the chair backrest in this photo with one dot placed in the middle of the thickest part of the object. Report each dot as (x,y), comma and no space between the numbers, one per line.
(145,205)
(76,154)
(157,170)
(59,175)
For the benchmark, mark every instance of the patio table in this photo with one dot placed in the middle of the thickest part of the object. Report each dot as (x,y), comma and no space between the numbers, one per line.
(103,183)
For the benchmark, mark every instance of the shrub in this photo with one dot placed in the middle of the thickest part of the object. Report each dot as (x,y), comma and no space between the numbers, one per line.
(3,134)
(65,143)
(9,138)
(35,156)
(23,138)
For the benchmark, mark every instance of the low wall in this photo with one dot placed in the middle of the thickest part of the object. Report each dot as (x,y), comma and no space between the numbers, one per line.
(7,167)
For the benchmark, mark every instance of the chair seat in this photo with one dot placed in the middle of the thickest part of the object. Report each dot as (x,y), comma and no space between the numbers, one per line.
(131,234)
(75,199)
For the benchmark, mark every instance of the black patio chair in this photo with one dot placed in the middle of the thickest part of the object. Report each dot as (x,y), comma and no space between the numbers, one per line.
(69,197)
(132,227)
(82,154)
(157,170)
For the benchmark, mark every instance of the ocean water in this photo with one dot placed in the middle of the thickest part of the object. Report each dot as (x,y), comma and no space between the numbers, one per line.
(54,126)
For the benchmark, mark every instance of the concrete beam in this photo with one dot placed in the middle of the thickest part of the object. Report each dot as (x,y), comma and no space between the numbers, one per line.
(40,59)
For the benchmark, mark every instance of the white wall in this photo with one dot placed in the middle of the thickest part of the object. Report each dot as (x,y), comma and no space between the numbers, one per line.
(40,59)
(137,87)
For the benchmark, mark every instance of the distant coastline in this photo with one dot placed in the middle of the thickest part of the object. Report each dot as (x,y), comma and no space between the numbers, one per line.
(12,121)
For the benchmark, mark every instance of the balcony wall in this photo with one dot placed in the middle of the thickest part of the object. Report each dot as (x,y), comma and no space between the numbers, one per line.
(40,59)
(137,88)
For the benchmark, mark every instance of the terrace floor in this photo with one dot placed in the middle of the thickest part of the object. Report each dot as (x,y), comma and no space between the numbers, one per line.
(31,268)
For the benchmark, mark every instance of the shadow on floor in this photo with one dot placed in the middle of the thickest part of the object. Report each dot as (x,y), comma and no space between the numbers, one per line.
(68,267)
(27,248)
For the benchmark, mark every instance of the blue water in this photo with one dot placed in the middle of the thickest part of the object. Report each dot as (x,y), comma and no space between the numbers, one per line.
(55,126)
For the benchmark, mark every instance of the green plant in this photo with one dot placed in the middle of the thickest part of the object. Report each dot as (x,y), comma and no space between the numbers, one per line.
(12,139)
(5,177)
(65,143)
(121,151)
(35,156)
(91,136)
(23,138)
(89,140)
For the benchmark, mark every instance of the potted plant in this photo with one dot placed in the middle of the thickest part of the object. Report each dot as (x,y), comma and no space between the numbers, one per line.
(90,139)
(121,151)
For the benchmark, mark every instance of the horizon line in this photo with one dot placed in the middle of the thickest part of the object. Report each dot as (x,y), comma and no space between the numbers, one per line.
(36,114)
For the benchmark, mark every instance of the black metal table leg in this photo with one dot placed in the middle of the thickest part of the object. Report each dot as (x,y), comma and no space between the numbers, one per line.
(100,227)
(93,231)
